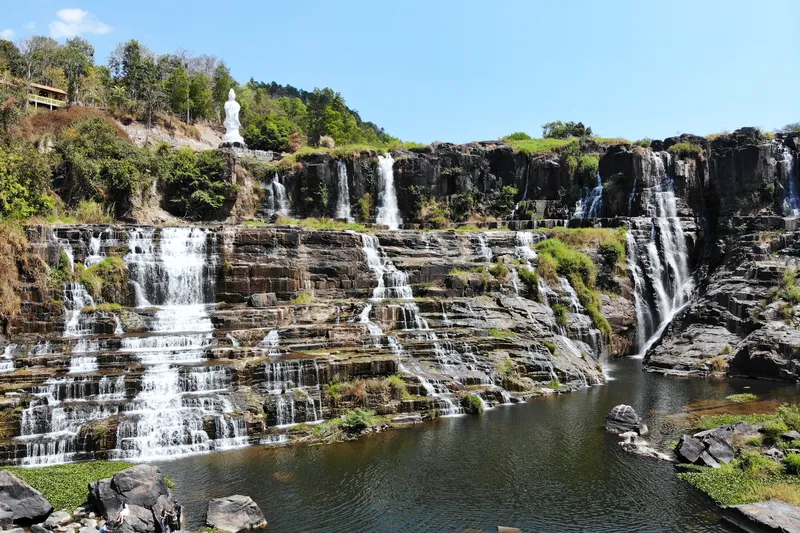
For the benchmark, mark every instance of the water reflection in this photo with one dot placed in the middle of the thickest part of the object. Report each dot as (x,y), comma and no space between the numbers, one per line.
(546,466)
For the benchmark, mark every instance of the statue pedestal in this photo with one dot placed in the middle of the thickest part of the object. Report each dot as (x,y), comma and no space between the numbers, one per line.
(228,144)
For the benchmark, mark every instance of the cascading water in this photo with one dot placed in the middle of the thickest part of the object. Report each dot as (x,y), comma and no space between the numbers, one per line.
(591,203)
(167,417)
(277,202)
(394,284)
(343,200)
(388,212)
(270,343)
(484,251)
(791,203)
(658,257)
(7,359)
(292,383)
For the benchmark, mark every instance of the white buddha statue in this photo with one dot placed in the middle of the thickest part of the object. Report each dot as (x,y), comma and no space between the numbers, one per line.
(232,123)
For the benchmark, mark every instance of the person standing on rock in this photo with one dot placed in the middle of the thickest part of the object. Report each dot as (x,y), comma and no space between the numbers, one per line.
(105,529)
(178,509)
(123,513)
(163,521)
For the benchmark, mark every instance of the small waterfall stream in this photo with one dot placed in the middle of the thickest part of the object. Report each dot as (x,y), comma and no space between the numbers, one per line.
(590,204)
(388,212)
(791,203)
(658,257)
(343,199)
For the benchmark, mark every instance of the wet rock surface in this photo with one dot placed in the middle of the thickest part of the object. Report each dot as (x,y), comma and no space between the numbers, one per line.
(770,516)
(143,488)
(234,514)
(623,419)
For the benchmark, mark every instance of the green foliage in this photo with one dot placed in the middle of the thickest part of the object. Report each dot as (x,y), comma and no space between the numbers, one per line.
(550,346)
(554,384)
(502,333)
(686,149)
(168,480)
(357,420)
(518,136)
(790,414)
(269,132)
(507,368)
(24,182)
(644,143)
(753,463)
(713,421)
(194,182)
(530,278)
(742,398)
(64,486)
(537,146)
(562,130)
(499,270)
(568,260)
(363,210)
(773,431)
(561,313)
(502,201)
(303,298)
(730,485)
(793,127)
(397,387)
(472,404)
(792,461)
(109,277)
(588,166)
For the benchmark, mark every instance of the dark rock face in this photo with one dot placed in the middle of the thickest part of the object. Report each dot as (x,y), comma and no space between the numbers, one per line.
(145,491)
(234,514)
(770,516)
(712,447)
(26,504)
(622,419)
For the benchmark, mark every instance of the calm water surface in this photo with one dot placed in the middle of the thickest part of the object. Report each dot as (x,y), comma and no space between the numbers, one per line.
(545,466)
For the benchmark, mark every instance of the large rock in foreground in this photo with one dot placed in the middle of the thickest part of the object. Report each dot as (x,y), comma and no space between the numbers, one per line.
(234,514)
(145,491)
(25,504)
(623,419)
(771,516)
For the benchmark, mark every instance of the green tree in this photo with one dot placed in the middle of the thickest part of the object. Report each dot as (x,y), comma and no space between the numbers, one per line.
(10,59)
(561,130)
(177,86)
(24,182)
(76,58)
(194,184)
(130,66)
(200,97)
(269,132)
(222,83)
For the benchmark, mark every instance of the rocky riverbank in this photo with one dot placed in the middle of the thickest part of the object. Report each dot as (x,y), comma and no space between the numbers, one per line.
(142,490)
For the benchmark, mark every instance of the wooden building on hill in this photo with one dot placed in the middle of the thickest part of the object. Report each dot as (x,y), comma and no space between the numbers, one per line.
(45,96)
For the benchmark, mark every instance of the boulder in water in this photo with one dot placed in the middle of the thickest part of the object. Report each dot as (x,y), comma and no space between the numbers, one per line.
(234,514)
(720,448)
(26,504)
(623,419)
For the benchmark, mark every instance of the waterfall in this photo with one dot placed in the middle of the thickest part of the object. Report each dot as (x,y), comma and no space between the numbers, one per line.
(393,283)
(168,416)
(791,203)
(7,359)
(281,200)
(270,343)
(388,213)
(76,298)
(522,249)
(291,383)
(66,248)
(590,204)
(658,257)
(343,200)
(484,251)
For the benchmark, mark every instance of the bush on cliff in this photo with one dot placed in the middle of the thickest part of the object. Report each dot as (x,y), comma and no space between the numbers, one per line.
(13,254)
(107,279)
(194,182)
(24,182)
(357,420)
(686,149)
(569,260)
(472,404)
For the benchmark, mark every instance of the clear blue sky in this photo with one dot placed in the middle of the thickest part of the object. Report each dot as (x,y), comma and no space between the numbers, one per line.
(463,70)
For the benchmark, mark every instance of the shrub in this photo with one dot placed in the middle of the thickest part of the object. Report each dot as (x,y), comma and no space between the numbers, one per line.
(194,184)
(326,141)
(397,387)
(502,201)
(303,298)
(364,208)
(357,420)
(792,461)
(499,270)
(755,464)
(560,310)
(92,212)
(790,414)
(472,404)
(562,130)
(518,136)
(531,280)
(537,146)
(507,368)
(107,279)
(644,143)
(24,182)
(686,149)
(550,346)
(548,267)
(773,431)
(569,261)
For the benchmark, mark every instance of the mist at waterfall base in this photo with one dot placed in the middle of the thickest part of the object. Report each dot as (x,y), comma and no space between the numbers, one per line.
(544,466)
